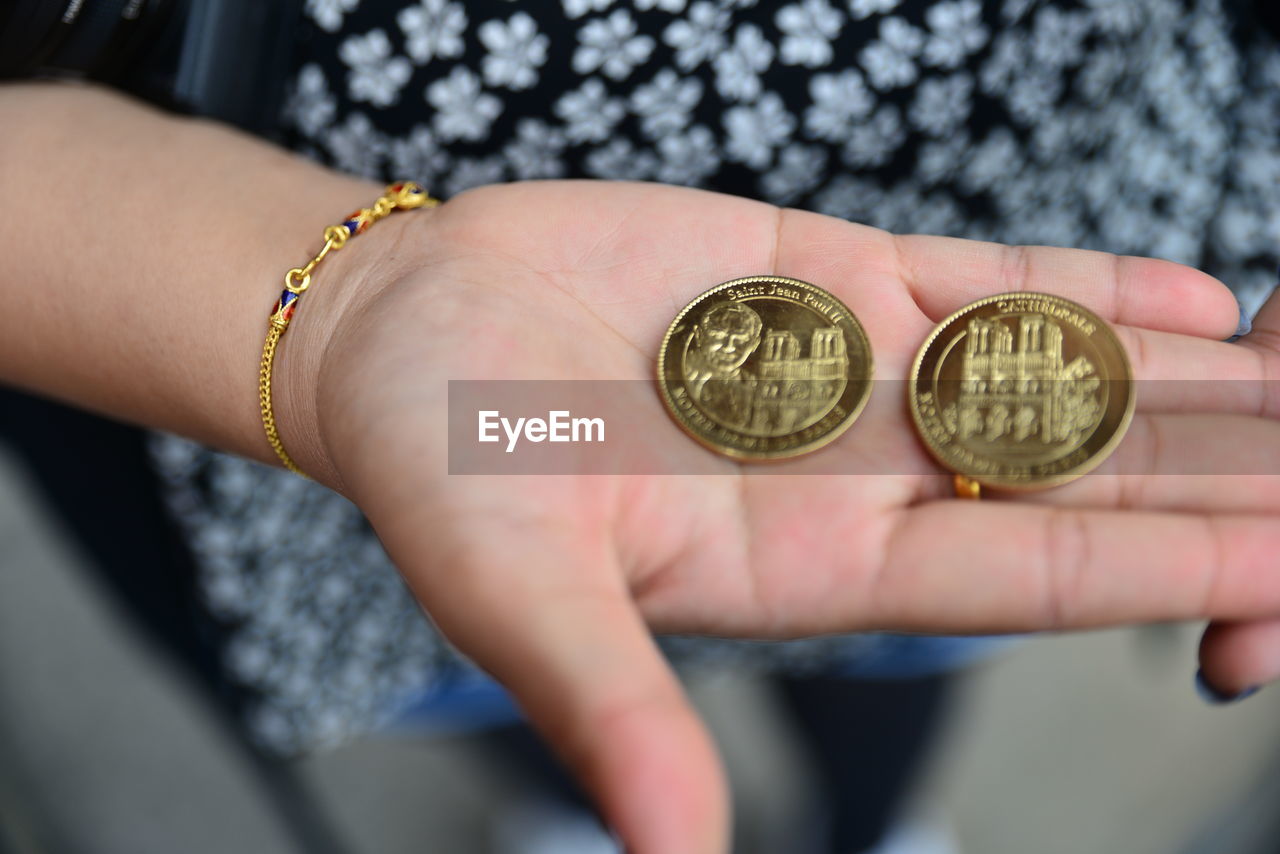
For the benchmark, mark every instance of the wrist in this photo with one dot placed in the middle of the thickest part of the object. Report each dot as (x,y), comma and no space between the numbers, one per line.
(343,287)
(138,281)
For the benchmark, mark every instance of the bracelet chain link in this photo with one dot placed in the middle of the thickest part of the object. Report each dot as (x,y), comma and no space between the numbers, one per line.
(405,195)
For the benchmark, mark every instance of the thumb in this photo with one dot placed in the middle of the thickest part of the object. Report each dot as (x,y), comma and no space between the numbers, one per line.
(1238,658)
(549,615)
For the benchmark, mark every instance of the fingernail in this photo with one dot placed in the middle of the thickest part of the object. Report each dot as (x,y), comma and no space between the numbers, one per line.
(1214,697)
(1246,324)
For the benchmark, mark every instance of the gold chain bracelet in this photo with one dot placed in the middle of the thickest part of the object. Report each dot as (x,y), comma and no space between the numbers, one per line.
(403,196)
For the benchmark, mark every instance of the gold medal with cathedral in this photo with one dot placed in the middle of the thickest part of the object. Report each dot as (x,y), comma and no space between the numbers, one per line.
(765,367)
(1022,391)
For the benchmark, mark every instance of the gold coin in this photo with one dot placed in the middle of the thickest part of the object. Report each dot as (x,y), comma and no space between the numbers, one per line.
(765,367)
(1022,391)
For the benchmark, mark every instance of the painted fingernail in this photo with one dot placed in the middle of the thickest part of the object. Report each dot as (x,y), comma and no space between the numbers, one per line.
(1214,697)
(1246,324)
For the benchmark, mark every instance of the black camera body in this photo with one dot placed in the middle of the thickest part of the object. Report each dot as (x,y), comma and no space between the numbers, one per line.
(226,59)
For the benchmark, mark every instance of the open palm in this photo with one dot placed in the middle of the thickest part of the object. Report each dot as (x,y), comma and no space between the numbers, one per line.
(554,582)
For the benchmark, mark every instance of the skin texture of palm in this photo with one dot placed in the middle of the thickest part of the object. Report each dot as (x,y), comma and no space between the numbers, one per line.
(553,583)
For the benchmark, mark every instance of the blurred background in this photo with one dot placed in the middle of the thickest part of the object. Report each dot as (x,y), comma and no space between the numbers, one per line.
(1086,743)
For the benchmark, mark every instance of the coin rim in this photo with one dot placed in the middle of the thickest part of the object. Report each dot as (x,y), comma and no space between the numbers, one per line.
(789,453)
(1099,457)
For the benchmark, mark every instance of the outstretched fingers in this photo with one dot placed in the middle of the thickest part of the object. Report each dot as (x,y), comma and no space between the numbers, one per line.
(944,274)
(1236,657)
(983,566)
(1182,463)
(1183,373)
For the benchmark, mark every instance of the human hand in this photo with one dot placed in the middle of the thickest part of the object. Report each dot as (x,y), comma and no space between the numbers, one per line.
(554,583)
(1236,657)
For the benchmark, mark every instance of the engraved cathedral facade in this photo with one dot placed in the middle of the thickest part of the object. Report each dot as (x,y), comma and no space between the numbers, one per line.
(1017,387)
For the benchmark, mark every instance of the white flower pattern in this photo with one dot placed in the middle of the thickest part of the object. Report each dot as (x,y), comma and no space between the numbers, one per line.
(418,156)
(863,9)
(799,171)
(328,14)
(874,142)
(472,172)
(464,110)
(356,145)
(578,8)
(956,32)
(1058,38)
(621,161)
(688,158)
(516,51)
(310,106)
(698,37)
(589,112)
(839,102)
(433,29)
(376,75)
(738,68)
(941,104)
(535,151)
(890,61)
(808,28)
(755,131)
(665,103)
(611,45)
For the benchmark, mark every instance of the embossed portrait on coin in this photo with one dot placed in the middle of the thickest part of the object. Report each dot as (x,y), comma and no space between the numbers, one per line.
(780,390)
(723,338)
(1017,391)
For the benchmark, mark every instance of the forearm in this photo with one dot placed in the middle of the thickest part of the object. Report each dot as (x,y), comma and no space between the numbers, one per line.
(141,254)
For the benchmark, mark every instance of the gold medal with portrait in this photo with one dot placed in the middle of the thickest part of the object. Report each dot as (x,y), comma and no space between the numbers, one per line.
(765,367)
(1021,391)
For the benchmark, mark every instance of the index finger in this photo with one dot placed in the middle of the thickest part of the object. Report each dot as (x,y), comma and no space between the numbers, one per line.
(944,274)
